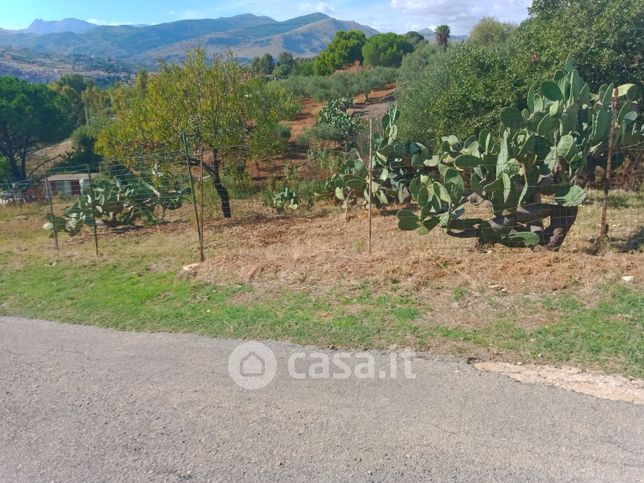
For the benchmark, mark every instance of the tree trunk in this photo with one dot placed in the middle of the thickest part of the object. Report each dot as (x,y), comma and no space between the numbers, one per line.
(219,187)
(561,221)
(17,168)
(529,218)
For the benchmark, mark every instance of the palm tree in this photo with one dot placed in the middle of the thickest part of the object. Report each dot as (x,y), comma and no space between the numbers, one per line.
(442,36)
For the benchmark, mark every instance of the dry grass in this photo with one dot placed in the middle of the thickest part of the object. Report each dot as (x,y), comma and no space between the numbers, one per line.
(448,294)
(320,251)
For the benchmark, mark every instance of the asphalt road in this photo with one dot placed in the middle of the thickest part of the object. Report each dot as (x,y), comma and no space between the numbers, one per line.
(86,404)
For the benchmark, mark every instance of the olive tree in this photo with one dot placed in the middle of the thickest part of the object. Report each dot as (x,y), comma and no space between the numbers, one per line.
(219,105)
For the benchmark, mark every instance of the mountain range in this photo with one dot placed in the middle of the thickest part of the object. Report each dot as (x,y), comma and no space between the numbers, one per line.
(40,26)
(430,35)
(245,35)
(46,50)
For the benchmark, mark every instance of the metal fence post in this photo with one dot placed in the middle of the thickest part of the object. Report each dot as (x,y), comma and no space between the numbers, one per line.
(370,178)
(91,198)
(194,196)
(51,212)
(603,231)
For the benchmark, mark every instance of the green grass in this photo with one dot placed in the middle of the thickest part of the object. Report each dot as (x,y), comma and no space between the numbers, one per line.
(127,294)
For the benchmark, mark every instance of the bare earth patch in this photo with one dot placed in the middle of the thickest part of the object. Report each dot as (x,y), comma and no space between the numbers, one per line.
(616,388)
(324,251)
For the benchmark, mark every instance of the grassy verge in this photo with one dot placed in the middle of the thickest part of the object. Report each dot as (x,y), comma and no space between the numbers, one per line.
(125,293)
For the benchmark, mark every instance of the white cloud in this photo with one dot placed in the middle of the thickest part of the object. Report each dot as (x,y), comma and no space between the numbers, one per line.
(112,23)
(462,15)
(321,7)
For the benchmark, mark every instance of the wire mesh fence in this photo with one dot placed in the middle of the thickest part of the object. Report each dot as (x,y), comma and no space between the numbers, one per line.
(174,189)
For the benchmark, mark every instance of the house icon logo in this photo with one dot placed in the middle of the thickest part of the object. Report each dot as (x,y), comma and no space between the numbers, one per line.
(252,365)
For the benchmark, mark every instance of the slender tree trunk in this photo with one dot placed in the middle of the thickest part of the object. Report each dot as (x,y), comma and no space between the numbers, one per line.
(219,187)
(17,167)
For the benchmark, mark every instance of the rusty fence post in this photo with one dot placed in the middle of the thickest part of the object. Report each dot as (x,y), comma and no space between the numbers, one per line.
(91,199)
(603,230)
(51,212)
(194,195)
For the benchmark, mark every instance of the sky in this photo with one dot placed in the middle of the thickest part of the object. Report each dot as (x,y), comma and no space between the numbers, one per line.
(384,15)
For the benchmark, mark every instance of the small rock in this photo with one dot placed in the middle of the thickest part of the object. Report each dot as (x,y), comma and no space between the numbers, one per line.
(189,271)
(628,278)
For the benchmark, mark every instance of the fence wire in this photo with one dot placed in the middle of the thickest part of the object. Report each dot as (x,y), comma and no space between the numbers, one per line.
(163,189)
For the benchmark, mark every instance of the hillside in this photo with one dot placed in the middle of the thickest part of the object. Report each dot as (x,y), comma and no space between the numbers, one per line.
(44,68)
(246,35)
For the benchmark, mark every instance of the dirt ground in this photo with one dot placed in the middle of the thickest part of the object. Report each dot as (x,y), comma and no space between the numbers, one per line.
(295,155)
(323,247)
(604,386)
(313,249)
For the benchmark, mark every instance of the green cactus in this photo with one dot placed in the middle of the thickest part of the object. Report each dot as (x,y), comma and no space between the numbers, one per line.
(122,200)
(540,151)
(395,165)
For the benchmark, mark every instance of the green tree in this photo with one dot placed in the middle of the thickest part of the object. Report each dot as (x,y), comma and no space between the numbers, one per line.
(285,63)
(263,65)
(31,116)
(459,91)
(547,7)
(442,36)
(344,49)
(72,87)
(302,67)
(324,63)
(604,36)
(414,38)
(4,170)
(266,64)
(141,80)
(255,66)
(386,50)
(489,32)
(231,113)
(286,59)
(416,62)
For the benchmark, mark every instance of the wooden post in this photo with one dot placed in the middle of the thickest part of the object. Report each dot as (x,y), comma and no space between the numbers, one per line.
(203,189)
(370,178)
(91,198)
(51,212)
(194,196)
(603,230)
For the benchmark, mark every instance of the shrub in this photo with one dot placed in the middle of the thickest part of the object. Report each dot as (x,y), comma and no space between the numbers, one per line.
(341,84)
(461,91)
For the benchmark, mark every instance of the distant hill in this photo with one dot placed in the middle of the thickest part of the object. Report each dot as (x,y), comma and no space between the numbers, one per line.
(245,35)
(430,35)
(44,68)
(41,27)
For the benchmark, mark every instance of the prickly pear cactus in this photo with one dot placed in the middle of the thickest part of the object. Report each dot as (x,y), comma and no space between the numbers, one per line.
(394,164)
(540,151)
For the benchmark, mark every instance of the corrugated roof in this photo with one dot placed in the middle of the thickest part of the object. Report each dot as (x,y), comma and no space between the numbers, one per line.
(70,177)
